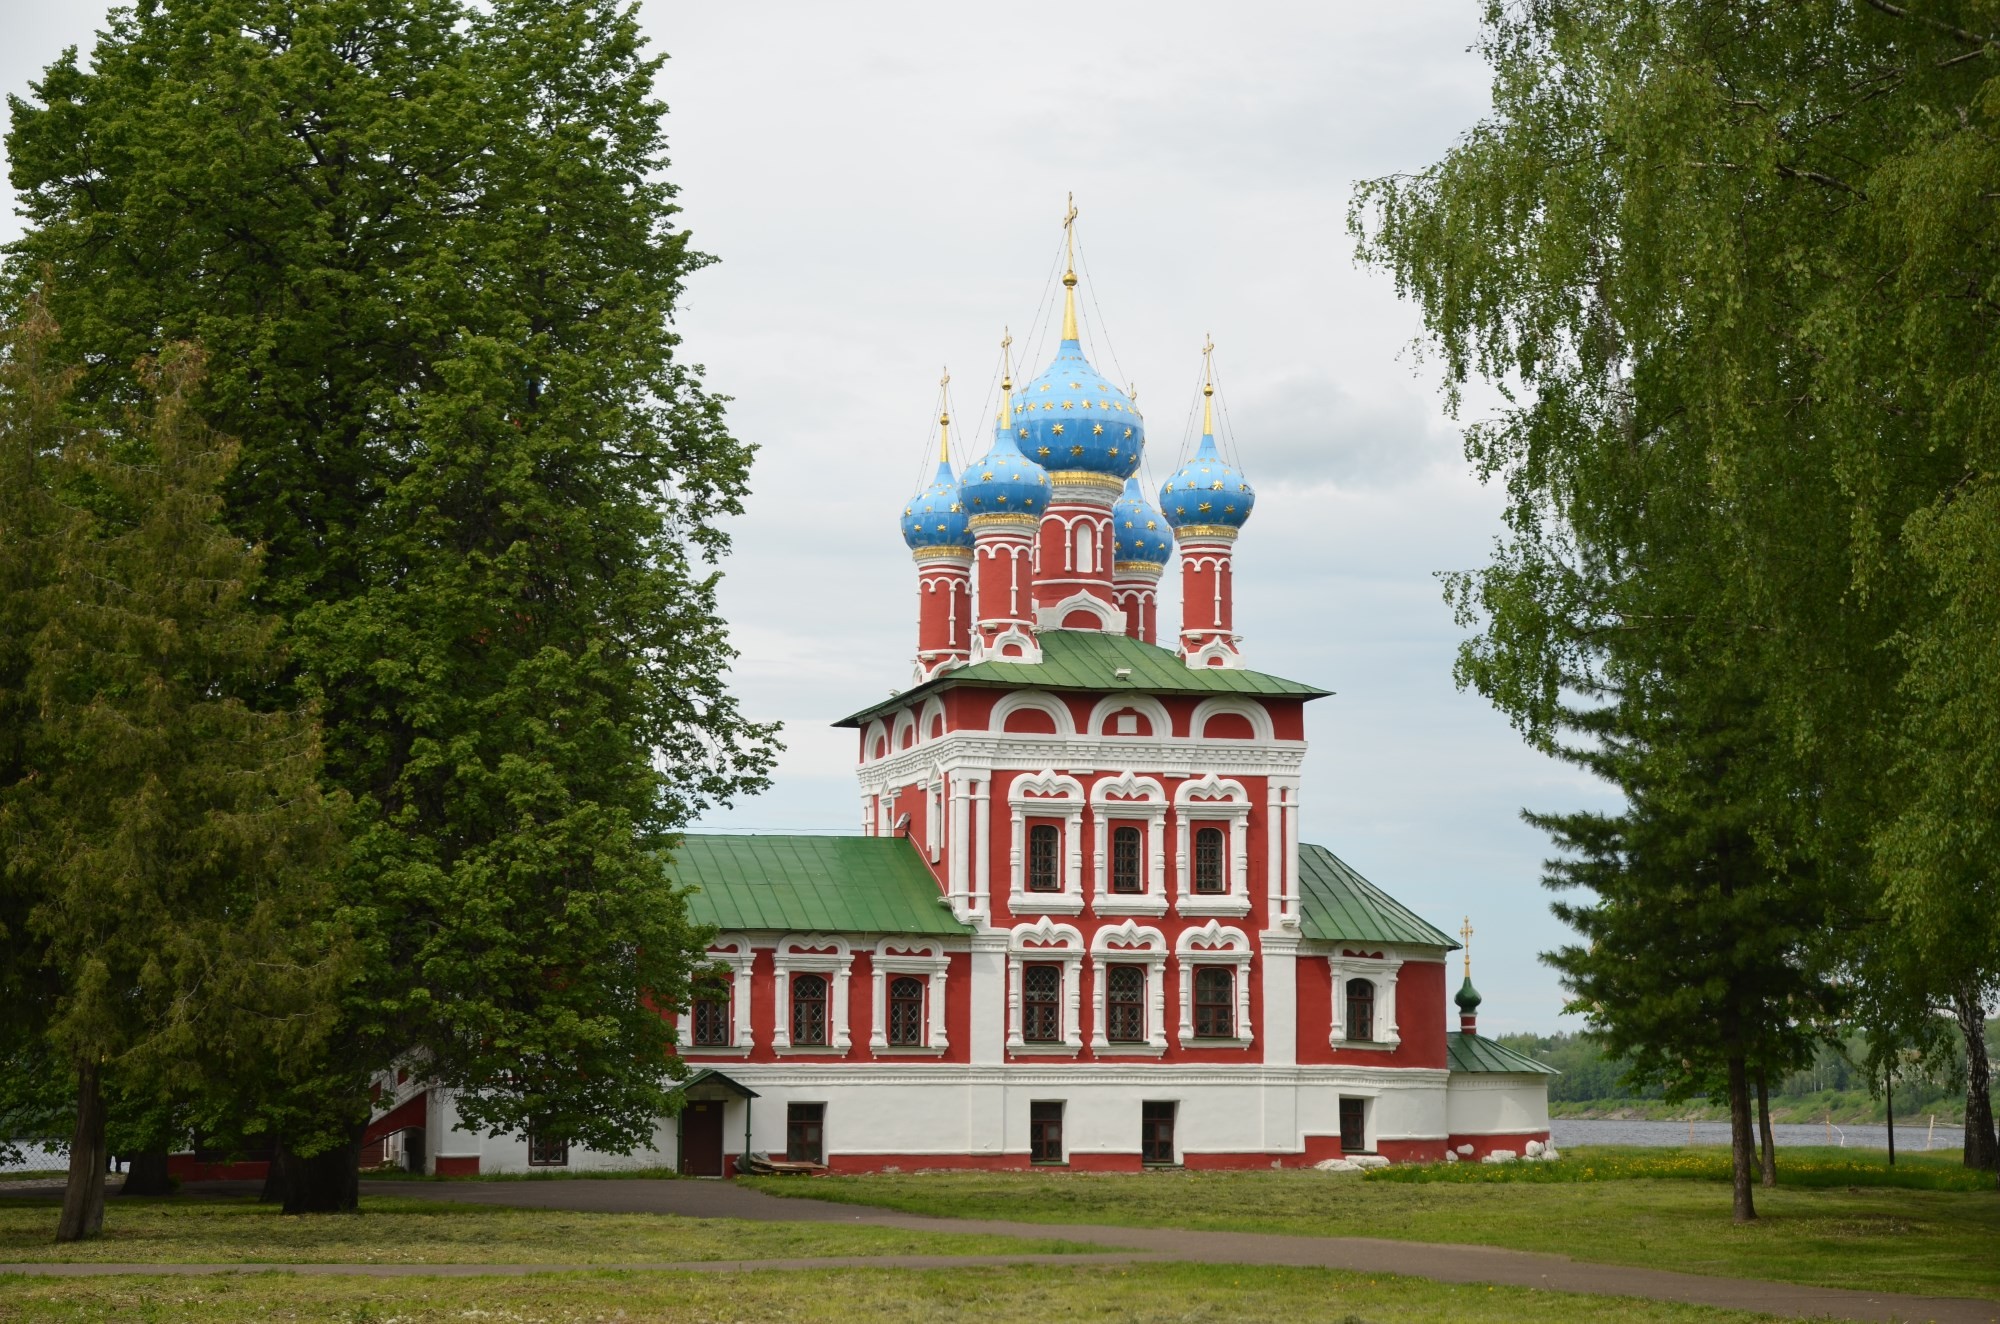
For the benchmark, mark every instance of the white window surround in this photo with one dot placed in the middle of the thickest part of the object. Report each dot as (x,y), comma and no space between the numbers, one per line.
(1259,717)
(1040,701)
(1215,944)
(877,731)
(1129,796)
(1129,944)
(1379,969)
(1146,705)
(734,951)
(1046,794)
(814,954)
(1207,801)
(904,734)
(1045,943)
(930,720)
(1109,618)
(893,957)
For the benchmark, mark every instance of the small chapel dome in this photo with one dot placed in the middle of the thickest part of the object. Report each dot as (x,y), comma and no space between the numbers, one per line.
(1467,998)
(936,516)
(1207,491)
(1139,531)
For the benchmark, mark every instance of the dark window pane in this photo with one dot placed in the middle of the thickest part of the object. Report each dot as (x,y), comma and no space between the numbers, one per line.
(1361,1011)
(1156,1131)
(805,1132)
(1125,876)
(906,1012)
(808,1009)
(545,1152)
(1044,845)
(1041,1004)
(1208,860)
(1215,1002)
(711,1022)
(1125,1005)
(1045,1143)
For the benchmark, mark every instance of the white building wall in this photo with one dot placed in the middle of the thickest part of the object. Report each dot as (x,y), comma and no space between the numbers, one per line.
(1497,1103)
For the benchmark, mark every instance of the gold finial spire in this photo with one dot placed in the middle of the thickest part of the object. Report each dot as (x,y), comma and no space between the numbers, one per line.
(944,418)
(1069,270)
(1006,377)
(1465,932)
(1208,386)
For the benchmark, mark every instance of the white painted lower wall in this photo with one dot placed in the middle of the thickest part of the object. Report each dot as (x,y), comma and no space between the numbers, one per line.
(972,1114)
(1497,1103)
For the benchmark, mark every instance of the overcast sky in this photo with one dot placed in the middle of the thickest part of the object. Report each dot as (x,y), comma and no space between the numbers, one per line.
(884,186)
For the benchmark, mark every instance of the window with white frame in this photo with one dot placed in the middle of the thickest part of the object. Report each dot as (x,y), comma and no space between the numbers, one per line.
(908,983)
(1041,1002)
(1129,814)
(1128,1014)
(1047,849)
(1044,858)
(1363,985)
(1212,847)
(1125,1004)
(1215,962)
(1044,962)
(722,1023)
(810,973)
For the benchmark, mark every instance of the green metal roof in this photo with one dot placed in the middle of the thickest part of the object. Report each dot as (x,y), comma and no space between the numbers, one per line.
(1091,660)
(1337,904)
(837,884)
(710,1076)
(1469,1052)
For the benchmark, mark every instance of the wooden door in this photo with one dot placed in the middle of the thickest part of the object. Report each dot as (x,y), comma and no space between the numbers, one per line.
(701,1138)
(1353,1126)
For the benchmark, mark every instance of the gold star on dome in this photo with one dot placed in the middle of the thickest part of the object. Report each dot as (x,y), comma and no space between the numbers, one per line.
(1076,450)
(1045,386)
(1076,386)
(957,509)
(1041,450)
(1215,486)
(986,477)
(907,512)
(1128,433)
(1001,500)
(1151,525)
(1097,430)
(1024,432)
(940,528)
(1229,510)
(1069,404)
(1204,507)
(1128,523)
(1057,429)
(1104,404)
(1168,488)
(1243,487)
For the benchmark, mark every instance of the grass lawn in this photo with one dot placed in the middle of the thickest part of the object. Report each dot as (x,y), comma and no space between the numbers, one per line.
(1870,1238)
(1209,1294)
(395,1230)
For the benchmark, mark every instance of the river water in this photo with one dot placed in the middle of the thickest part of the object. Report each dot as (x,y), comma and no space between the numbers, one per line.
(1566,1131)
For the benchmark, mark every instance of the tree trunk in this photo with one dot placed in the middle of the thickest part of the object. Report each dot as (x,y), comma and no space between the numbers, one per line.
(328,1183)
(1742,1149)
(147,1174)
(274,1177)
(1982,1147)
(1889,1107)
(83,1199)
(1767,1145)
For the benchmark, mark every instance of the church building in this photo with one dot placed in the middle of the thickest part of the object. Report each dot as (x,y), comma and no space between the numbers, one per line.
(1078,926)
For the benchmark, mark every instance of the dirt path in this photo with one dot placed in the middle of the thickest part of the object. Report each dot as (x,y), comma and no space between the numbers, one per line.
(1440,1263)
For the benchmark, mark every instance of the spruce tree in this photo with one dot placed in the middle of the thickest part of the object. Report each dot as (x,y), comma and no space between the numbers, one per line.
(168,837)
(432,249)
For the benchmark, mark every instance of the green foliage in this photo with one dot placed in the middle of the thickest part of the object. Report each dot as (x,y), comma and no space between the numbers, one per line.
(430,248)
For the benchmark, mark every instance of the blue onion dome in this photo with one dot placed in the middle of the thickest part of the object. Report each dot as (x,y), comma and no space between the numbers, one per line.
(935,519)
(1004,481)
(1070,418)
(1139,532)
(1207,492)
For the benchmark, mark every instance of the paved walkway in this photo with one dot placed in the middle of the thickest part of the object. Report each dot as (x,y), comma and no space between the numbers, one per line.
(1440,1263)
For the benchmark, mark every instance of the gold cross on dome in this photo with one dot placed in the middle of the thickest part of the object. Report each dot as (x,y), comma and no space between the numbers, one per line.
(1465,932)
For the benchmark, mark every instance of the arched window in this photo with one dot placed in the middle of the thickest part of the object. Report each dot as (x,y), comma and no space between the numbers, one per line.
(906,1012)
(1361,1011)
(1044,844)
(1125,1005)
(808,1009)
(1041,1004)
(1208,860)
(1085,541)
(1125,844)
(1215,1002)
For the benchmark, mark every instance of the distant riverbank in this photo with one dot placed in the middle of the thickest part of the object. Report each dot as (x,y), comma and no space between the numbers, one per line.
(1911,1139)
(1842,1109)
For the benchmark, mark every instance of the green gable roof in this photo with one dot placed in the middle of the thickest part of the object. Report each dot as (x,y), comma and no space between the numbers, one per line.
(1337,904)
(1090,660)
(1469,1052)
(836,884)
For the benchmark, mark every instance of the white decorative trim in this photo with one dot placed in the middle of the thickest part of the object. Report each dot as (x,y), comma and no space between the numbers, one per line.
(904,956)
(871,751)
(800,953)
(1040,701)
(1155,713)
(1380,971)
(1044,942)
(1215,944)
(933,708)
(905,726)
(1109,618)
(1027,647)
(1217,705)
(1129,944)
(1142,798)
(1220,651)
